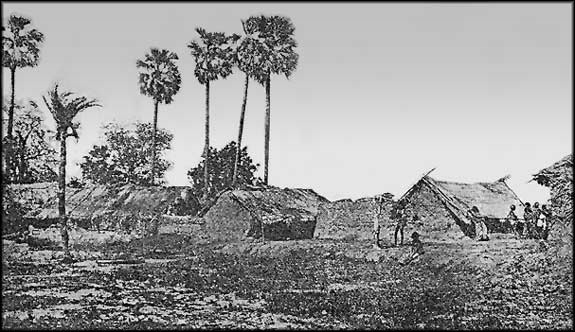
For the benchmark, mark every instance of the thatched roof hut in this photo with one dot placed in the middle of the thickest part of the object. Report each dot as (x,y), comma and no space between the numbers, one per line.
(559,178)
(111,207)
(442,205)
(274,213)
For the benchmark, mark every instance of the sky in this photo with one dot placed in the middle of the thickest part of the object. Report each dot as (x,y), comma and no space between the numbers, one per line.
(383,92)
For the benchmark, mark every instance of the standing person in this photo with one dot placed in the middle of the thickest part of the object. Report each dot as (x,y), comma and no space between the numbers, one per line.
(400,216)
(535,221)
(548,219)
(513,220)
(480,227)
(527,216)
(376,227)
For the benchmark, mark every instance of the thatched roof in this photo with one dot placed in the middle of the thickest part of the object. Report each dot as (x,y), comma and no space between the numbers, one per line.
(279,213)
(102,201)
(559,178)
(492,198)
(275,204)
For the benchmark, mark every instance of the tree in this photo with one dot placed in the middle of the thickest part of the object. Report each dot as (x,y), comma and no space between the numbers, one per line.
(247,55)
(160,80)
(33,156)
(64,107)
(123,157)
(214,56)
(20,48)
(276,55)
(220,175)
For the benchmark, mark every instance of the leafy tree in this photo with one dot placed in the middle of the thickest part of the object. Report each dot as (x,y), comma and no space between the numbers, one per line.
(123,158)
(160,80)
(20,48)
(64,107)
(33,157)
(275,55)
(221,171)
(214,56)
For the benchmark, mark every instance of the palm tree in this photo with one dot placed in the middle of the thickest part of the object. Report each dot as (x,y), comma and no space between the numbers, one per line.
(277,56)
(160,80)
(214,56)
(20,48)
(64,108)
(247,58)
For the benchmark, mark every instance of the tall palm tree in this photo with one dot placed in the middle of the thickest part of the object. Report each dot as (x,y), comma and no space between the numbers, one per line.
(64,108)
(275,34)
(214,56)
(161,80)
(248,58)
(20,48)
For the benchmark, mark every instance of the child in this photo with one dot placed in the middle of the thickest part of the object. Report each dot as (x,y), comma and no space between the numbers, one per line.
(415,251)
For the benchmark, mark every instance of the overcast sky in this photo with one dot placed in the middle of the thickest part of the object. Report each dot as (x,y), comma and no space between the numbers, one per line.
(383,92)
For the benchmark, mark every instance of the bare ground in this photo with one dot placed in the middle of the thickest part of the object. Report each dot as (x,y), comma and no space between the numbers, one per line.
(306,284)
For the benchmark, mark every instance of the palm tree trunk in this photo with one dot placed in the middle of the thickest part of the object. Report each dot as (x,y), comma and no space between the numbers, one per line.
(153,170)
(62,195)
(207,143)
(240,132)
(267,130)
(11,112)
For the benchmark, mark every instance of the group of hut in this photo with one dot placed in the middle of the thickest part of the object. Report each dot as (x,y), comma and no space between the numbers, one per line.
(273,213)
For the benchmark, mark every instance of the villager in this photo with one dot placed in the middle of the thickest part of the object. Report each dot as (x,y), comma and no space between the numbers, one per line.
(416,249)
(376,227)
(512,220)
(527,216)
(478,221)
(547,221)
(400,216)
(535,221)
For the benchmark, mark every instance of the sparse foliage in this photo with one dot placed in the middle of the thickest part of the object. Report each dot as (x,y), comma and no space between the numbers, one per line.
(33,157)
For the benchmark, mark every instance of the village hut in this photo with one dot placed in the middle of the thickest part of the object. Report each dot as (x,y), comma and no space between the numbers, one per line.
(113,207)
(347,219)
(270,213)
(441,206)
(559,179)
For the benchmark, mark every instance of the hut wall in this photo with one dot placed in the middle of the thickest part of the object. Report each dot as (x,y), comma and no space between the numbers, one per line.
(351,220)
(228,221)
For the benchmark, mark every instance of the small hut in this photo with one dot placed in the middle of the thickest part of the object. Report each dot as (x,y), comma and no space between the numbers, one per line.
(270,213)
(442,205)
(559,179)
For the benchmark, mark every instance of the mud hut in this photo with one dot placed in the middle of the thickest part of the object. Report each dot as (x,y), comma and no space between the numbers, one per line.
(559,179)
(442,206)
(352,220)
(112,207)
(269,212)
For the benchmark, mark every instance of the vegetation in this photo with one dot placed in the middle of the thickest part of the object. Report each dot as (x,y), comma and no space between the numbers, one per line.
(220,174)
(33,158)
(64,107)
(123,158)
(214,54)
(160,79)
(275,54)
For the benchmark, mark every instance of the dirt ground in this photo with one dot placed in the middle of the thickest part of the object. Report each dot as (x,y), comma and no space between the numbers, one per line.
(306,284)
